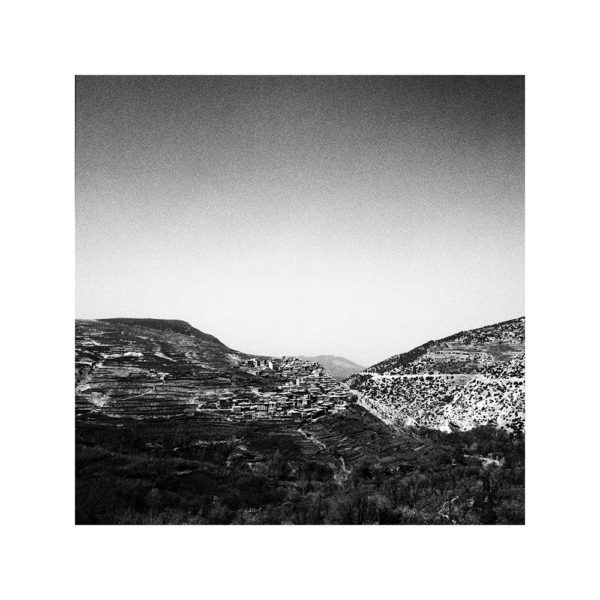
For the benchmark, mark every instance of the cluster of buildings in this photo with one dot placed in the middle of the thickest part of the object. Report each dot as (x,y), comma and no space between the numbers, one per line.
(293,389)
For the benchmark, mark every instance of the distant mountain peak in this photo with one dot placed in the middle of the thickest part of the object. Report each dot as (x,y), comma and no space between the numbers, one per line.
(339,367)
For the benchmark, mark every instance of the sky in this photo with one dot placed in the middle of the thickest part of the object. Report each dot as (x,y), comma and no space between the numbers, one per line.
(355,216)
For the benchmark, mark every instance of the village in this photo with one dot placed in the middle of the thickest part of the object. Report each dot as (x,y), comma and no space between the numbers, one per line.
(294,389)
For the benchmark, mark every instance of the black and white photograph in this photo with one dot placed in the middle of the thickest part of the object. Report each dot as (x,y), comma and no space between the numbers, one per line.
(300,300)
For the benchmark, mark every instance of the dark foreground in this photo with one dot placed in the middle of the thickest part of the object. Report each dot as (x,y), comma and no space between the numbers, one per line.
(341,469)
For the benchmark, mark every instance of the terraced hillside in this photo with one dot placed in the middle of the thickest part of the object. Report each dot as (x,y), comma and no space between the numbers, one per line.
(347,468)
(151,368)
(357,436)
(469,379)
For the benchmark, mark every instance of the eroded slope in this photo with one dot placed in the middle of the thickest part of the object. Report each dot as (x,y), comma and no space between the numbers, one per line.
(463,381)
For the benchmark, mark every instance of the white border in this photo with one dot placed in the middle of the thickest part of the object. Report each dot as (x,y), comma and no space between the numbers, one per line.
(45,44)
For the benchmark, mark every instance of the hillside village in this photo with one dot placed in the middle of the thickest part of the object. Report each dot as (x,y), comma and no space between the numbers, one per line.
(303,390)
(143,369)
(146,369)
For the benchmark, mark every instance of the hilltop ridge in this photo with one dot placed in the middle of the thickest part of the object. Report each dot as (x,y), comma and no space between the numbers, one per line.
(173,325)
(407,357)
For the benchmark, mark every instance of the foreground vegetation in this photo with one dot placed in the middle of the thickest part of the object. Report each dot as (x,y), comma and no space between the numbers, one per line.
(194,472)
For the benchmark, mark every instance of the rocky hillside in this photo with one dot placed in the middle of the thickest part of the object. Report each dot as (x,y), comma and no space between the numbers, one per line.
(468,379)
(151,367)
(337,366)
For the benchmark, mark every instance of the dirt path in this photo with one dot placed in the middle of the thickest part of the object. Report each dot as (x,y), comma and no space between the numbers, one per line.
(344,471)
(313,439)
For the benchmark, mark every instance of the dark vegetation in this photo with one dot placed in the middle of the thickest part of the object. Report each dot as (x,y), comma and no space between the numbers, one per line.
(342,469)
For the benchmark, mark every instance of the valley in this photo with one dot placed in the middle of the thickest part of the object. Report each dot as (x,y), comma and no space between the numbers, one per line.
(174,427)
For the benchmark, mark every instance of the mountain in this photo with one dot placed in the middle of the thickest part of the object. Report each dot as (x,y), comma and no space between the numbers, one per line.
(151,367)
(172,426)
(142,368)
(468,379)
(339,367)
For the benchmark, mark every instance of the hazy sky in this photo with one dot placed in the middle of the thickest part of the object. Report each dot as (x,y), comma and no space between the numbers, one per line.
(358,216)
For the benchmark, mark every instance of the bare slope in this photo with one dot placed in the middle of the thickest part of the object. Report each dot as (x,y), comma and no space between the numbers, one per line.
(468,379)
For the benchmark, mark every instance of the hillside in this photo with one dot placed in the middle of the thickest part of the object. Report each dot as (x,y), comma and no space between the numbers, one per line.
(468,379)
(346,468)
(337,366)
(150,367)
(172,426)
